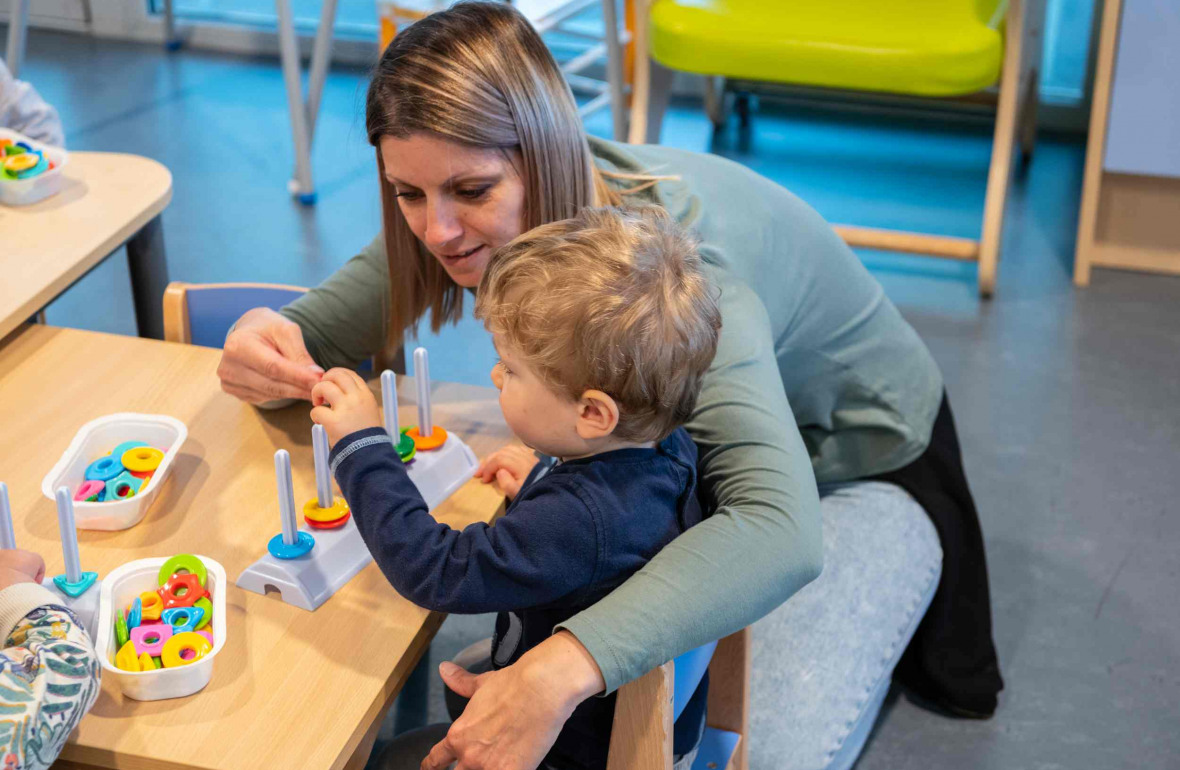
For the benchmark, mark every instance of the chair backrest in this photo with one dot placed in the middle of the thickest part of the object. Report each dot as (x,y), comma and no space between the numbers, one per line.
(201,314)
(641,737)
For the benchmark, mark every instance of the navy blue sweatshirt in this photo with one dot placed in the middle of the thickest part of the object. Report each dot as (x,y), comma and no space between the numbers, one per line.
(568,538)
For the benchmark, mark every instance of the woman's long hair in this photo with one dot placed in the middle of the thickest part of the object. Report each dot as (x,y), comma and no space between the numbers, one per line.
(477,74)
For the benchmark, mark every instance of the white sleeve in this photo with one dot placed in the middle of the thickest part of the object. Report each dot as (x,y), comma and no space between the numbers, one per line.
(22,109)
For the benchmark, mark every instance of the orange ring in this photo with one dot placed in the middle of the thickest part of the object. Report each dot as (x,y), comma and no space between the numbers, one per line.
(437,437)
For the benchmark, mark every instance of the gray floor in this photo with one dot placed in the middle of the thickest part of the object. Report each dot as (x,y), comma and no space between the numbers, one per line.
(1068,401)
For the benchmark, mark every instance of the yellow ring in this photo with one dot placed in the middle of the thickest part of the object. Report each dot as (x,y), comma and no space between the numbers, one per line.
(22,162)
(142,458)
(186,640)
(313,511)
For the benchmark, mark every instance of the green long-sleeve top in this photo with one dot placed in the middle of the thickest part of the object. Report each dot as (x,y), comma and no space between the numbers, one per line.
(817,376)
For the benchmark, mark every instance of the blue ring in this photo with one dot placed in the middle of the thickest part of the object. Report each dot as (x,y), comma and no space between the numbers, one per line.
(280,550)
(103,469)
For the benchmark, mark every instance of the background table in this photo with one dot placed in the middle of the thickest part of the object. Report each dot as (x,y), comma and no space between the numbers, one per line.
(290,689)
(108,199)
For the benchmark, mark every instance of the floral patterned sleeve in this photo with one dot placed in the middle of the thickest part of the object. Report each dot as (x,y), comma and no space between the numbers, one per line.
(49,678)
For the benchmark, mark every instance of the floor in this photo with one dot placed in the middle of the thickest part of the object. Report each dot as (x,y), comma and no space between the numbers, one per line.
(1066,399)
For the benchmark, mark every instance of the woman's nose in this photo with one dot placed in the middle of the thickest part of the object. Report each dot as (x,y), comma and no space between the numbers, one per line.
(442,226)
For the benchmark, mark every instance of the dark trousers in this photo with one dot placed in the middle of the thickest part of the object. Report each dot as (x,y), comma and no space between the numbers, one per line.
(951,660)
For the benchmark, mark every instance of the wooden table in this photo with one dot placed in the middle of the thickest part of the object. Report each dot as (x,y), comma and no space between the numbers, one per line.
(108,199)
(291,689)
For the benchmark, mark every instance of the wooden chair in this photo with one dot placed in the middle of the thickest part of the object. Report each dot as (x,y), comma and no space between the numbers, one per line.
(917,48)
(641,737)
(201,314)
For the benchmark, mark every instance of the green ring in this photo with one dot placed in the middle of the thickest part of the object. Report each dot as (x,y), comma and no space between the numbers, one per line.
(406,448)
(207,606)
(186,562)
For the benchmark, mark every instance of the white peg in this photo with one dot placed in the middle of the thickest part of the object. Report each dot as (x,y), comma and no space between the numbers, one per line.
(323,479)
(286,495)
(422,379)
(7,538)
(69,535)
(389,405)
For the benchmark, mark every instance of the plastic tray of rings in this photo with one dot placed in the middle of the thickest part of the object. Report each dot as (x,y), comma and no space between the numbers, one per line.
(307,565)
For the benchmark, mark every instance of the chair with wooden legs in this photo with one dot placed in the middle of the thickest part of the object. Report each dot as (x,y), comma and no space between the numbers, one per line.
(919,48)
(641,737)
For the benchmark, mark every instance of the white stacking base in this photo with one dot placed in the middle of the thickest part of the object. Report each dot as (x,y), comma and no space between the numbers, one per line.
(339,554)
(85,606)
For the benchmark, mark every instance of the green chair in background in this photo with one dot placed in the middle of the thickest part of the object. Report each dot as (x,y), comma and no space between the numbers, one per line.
(919,48)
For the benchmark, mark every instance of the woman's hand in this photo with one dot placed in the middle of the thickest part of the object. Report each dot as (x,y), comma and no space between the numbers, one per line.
(515,713)
(265,359)
(344,404)
(18,566)
(508,467)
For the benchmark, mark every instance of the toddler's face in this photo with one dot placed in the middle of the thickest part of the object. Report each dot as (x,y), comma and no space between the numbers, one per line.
(542,418)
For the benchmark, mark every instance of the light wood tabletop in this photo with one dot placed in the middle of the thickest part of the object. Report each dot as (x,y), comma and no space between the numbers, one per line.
(291,689)
(107,200)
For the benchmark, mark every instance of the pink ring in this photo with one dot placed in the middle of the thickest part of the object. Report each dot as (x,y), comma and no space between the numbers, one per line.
(89,489)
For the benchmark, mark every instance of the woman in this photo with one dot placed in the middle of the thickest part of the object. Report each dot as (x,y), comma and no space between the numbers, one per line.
(817,376)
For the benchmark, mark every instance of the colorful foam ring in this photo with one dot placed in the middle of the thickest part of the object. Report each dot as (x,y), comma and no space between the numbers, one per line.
(122,633)
(152,605)
(182,564)
(118,451)
(437,437)
(122,487)
(206,605)
(148,663)
(183,619)
(103,469)
(208,635)
(185,649)
(181,591)
(25,161)
(40,168)
(331,517)
(135,614)
(144,458)
(126,659)
(151,639)
(89,491)
(406,448)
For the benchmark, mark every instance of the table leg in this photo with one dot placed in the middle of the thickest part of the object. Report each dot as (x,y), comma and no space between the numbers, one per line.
(149,277)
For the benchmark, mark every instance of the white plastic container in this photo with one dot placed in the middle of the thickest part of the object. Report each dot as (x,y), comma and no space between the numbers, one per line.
(20,192)
(98,437)
(119,589)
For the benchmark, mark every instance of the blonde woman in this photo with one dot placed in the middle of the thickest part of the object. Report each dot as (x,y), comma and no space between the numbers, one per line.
(816,377)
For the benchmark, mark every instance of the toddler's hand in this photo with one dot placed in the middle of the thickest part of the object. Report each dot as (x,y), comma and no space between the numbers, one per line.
(19,566)
(508,467)
(344,404)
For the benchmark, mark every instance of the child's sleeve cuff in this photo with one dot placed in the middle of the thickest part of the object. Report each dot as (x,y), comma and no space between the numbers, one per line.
(355,442)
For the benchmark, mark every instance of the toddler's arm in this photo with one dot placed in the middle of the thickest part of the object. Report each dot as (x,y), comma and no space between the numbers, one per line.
(546,547)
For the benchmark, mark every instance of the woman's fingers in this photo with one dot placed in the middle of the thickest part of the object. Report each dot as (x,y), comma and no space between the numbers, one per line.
(440,757)
(238,379)
(266,355)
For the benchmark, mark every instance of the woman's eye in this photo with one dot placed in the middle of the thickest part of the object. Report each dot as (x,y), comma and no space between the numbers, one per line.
(408,196)
(472,193)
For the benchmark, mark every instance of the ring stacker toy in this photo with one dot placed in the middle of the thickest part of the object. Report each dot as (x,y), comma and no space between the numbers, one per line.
(78,589)
(405,446)
(308,580)
(324,512)
(426,435)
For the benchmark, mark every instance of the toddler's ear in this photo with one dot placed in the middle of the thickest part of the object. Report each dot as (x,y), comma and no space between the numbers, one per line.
(598,415)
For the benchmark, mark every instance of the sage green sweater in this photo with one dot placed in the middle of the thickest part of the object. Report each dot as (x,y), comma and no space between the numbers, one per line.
(816,376)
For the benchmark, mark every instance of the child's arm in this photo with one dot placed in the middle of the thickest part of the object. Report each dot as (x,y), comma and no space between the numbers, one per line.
(49,676)
(22,109)
(544,549)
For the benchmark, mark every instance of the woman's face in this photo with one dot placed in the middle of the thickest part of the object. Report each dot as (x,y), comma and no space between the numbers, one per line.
(462,202)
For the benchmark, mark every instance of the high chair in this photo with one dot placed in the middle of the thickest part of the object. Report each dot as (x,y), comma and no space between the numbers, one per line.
(641,736)
(917,48)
